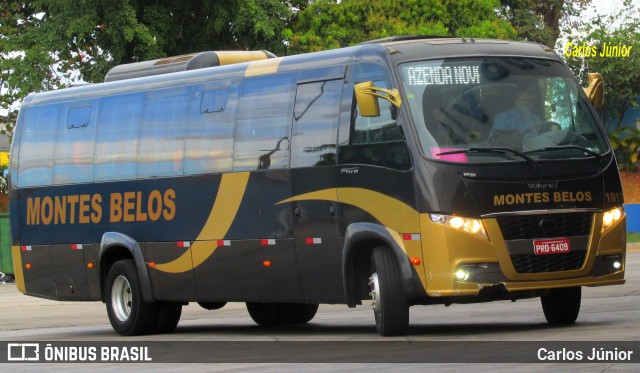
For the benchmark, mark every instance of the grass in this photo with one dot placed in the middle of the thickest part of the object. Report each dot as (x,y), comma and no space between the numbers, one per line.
(633,237)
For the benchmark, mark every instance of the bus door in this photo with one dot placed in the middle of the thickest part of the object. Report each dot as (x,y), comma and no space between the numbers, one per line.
(313,182)
(375,181)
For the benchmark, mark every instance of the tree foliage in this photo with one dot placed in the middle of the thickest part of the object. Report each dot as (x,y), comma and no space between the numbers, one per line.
(45,44)
(625,142)
(327,24)
(621,74)
(24,62)
(540,21)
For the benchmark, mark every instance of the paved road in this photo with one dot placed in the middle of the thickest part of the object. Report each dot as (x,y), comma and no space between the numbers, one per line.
(607,314)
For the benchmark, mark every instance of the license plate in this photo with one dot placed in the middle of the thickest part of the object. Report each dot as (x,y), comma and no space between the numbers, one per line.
(552,246)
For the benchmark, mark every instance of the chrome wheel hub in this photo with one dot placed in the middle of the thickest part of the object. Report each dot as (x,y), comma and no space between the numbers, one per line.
(375,291)
(121,298)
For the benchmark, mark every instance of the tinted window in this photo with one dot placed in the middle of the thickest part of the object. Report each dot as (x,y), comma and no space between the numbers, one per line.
(375,140)
(524,104)
(117,145)
(78,116)
(214,101)
(37,144)
(161,147)
(264,123)
(316,116)
(73,161)
(209,141)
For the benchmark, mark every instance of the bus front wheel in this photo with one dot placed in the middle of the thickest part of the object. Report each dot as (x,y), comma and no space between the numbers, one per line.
(128,313)
(389,302)
(561,306)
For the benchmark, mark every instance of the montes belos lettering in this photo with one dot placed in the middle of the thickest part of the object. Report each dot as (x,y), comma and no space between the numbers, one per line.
(127,207)
(540,197)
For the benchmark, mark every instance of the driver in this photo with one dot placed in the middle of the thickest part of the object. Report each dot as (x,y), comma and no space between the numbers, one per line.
(519,117)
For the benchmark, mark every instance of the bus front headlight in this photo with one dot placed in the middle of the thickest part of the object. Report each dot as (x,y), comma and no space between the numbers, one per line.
(473,226)
(611,217)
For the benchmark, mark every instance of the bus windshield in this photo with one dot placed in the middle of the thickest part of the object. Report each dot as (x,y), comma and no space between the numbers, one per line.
(499,110)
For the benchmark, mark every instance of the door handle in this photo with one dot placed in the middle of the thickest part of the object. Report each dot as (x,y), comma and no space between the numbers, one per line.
(296,212)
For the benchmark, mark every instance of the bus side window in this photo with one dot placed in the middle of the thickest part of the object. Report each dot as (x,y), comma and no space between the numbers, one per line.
(161,148)
(375,140)
(214,101)
(263,125)
(38,136)
(117,139)
(316,115)
(209,135)
(73,161)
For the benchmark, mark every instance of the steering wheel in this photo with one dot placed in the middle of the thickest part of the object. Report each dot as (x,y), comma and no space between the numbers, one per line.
(544,127)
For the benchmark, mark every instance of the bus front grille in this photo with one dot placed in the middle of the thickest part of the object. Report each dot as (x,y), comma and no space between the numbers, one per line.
(518,227)
(531,263)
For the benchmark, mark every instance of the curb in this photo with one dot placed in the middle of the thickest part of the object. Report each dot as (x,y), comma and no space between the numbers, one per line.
(633,247)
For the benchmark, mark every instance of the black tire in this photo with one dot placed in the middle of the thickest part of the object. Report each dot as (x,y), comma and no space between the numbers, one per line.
(390,305)
(212,305)
(297,313)
(168,317)
(562,306)
(272,314)
(128,313)
(264,314)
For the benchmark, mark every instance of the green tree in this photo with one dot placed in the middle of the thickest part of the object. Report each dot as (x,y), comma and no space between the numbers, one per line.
(25,65)
(327,24)
(625,142)
(45,44)
(621,73)
(540,21)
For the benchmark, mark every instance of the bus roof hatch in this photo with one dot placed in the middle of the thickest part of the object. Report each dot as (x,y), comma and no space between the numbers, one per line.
(182,63)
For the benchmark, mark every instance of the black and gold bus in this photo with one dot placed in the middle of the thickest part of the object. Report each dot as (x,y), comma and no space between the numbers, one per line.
(405,171)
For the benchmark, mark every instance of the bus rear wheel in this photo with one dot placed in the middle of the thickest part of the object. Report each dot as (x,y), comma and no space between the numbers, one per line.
(561,306)
(128,313)
(389,302)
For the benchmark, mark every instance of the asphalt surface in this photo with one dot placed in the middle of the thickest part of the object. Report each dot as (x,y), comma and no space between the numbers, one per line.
(608,315)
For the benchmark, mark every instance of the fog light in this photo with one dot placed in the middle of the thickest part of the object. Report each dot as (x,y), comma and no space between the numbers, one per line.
(615,261)
(462,275)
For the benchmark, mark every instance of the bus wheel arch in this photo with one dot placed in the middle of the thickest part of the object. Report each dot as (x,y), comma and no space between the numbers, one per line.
(357,263)
(360,240)
(117,246)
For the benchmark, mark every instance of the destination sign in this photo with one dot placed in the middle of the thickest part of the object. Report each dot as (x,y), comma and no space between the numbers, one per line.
(443,75)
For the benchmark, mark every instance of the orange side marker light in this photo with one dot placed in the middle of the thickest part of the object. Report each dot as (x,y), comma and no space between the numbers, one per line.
(416,261)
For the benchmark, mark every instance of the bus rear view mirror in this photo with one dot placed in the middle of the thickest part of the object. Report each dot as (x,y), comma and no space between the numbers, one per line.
(595,90)
(366,94)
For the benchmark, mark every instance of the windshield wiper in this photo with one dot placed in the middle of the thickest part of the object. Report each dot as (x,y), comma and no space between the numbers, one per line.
(522,155)
(564,147)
